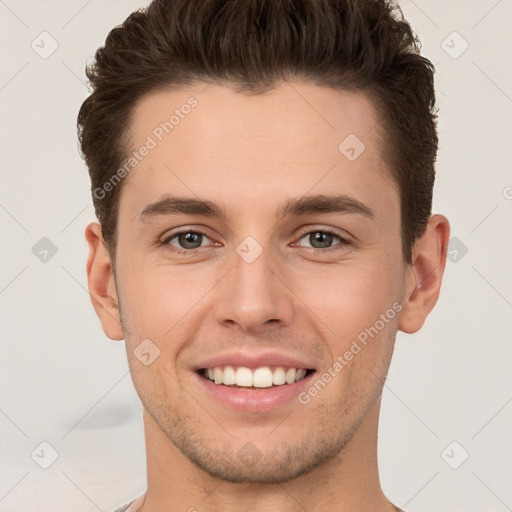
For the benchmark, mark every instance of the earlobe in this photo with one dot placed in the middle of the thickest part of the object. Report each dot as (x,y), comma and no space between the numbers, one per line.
(101,283)
(424,275)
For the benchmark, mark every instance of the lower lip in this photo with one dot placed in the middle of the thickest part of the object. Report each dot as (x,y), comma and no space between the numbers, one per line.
(254,400)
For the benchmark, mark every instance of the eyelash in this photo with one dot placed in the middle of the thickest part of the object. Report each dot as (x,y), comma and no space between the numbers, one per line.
(343,241)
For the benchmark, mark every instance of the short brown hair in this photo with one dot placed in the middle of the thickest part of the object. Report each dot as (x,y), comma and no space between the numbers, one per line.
(361,45)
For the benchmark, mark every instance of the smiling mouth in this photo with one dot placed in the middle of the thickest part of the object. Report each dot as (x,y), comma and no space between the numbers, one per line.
(254,378)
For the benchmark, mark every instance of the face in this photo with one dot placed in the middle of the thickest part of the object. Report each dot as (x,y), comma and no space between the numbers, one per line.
(295,261)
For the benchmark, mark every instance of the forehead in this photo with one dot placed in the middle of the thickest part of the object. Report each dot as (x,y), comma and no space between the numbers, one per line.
(290,110)
(210,141)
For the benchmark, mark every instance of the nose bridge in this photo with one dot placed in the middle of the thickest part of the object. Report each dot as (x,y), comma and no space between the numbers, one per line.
(252,294)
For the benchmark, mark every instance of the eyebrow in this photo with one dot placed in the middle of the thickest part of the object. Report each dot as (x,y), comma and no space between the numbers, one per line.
(170,204)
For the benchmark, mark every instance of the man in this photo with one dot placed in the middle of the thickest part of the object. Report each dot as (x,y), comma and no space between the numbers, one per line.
(262,171)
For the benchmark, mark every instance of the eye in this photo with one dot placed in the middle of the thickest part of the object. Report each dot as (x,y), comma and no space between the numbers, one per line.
(188,240)
(323,239)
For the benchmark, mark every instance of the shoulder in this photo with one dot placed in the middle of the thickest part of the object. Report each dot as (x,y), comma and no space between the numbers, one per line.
(132,506)
(124,507)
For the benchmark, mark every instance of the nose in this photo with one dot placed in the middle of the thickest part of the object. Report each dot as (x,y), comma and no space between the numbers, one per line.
(253,295)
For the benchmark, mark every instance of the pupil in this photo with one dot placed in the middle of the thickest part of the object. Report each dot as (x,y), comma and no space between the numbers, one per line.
(188,240)
(322,238)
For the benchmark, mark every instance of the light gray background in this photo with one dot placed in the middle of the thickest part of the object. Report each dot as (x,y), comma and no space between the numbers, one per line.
(62,381)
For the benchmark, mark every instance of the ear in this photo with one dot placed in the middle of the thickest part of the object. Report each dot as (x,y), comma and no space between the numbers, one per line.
(424,275)
(102,289)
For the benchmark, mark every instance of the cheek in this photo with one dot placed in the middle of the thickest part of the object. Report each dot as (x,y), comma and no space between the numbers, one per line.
(157,296)
(164,304)
(350,297)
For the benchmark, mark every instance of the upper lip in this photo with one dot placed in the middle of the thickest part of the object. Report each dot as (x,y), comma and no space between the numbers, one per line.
(255,360)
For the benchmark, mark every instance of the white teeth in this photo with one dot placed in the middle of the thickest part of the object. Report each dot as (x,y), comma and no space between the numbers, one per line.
(290,376)
(229,376)
(301,373)
(262,377)
(218,375)
(243,377)
(279,376)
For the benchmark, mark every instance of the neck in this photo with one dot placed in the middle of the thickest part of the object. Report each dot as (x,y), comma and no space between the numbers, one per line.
(349,481)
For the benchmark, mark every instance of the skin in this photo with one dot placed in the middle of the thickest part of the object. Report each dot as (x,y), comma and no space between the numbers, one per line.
(250,154)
